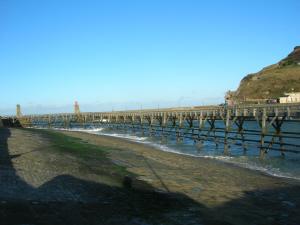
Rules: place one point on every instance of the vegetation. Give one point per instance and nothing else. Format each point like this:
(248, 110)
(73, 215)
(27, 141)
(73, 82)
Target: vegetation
(272, 81)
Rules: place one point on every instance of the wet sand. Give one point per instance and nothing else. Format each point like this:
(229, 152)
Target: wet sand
(167, 188)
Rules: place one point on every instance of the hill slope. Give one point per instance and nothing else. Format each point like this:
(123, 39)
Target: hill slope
(272, 81)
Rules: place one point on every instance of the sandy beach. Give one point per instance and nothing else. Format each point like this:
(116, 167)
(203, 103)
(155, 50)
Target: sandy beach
(131, 183)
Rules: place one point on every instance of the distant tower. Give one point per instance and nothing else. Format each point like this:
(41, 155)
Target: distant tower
(18, 111)
(76, 108)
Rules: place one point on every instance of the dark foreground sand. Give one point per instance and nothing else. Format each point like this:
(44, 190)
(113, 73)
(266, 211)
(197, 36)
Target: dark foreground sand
(38, 185)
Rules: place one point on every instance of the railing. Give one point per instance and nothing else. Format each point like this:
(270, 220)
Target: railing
(269, 108)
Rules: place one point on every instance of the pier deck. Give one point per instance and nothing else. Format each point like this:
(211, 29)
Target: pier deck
(200, 123)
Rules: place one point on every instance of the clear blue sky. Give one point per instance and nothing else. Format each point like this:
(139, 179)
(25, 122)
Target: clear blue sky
(124, 54)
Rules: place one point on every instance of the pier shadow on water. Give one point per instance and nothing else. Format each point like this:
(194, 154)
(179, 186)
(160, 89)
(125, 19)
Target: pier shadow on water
(69, 200)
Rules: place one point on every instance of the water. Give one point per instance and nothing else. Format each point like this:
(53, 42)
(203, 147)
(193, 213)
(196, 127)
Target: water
(273, 163)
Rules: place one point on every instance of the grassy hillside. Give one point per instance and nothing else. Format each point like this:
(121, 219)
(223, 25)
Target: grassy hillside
(272, 81)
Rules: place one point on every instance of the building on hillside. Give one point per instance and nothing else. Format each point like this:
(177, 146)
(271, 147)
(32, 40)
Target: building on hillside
(293, 97)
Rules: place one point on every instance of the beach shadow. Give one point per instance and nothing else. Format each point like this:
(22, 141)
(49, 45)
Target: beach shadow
(66, 199)
(69, 200)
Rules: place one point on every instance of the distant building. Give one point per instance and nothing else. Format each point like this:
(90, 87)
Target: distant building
(293, 97)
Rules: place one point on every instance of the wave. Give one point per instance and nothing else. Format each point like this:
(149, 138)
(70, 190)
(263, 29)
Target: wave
(80, 129)
(273, 171)
(126, 136)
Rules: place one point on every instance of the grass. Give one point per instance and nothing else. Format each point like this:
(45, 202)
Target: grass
(272, 83)
(75, 145)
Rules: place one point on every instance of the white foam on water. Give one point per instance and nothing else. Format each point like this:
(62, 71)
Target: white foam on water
(270, 170)
(93, 130)
(125, 136)
(80, 129)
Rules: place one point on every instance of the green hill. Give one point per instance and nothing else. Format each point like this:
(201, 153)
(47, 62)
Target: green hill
(272, 81)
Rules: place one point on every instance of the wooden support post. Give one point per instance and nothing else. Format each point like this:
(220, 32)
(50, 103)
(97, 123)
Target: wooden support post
(49, 121)
(152, 118)
(163, 124)
(65, 122)
(239, 121)
(277, 127)
(281, 143)
(133, 123)
(85, 120)
(142, 123)
(180, 126)
(201, 126)
(227, 129)
(165, 117)
(93, 118)
(213, 129)
(263, 133)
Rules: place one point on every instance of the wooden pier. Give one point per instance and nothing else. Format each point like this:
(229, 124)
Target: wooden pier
(221, 125)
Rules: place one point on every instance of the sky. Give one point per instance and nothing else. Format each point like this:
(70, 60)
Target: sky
(117, 55)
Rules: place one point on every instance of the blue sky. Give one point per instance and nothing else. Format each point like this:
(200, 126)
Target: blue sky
(131, 54)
